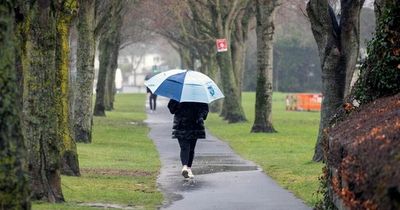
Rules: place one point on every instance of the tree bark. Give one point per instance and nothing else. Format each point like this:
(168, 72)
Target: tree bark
(14, 184)
(113, 68)
(350, 38)
(106, 47)
(213, 72)
(223, 19)
(265, 14)
(70, 163)
(83, 115)
(40, 126)
(338, 48)
(238, 45)
(186, 58)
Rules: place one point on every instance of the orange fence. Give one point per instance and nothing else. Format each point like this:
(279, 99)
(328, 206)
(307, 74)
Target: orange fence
(304, 102)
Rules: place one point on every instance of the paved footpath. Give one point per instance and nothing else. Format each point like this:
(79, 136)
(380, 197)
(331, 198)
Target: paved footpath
(223, 180)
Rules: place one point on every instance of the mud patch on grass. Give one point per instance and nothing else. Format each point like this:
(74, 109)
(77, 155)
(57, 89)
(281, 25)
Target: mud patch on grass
(109, 206)
(115, 172)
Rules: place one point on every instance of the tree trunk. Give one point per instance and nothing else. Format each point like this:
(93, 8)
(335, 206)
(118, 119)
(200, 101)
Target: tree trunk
(108, 41)
(265, 14)
(70, 163)
(213, 73)
(238, 57)
(83, 116)
(232, 110)
(350, 38)
(379, 74)
(112, 70)
(232, 104)
(40, 126)
(104, 58)
(338, 49)
(186, 58)
(238, 45)
(14, 184)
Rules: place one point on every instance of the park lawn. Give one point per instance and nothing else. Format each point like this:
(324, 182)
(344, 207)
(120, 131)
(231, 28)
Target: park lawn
(285, 155)
(120, 166)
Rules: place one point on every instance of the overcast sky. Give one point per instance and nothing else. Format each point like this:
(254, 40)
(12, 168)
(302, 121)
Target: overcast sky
(369, 3)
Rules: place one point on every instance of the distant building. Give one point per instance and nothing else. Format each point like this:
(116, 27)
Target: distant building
(132, 71)
(138, 68)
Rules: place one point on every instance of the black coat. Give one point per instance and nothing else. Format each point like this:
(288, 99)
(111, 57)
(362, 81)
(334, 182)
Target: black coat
(189, 119)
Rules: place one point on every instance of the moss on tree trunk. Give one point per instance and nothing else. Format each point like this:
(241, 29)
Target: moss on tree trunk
(14, 193)
(85, 72)
(40, 104)
(265, 30)
(69, 155)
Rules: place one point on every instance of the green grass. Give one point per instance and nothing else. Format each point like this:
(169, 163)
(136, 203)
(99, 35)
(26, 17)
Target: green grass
(120, 166)
(286, 155)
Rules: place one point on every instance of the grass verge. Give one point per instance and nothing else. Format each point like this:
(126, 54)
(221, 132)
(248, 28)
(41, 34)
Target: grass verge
(120, 166)
(286, 155)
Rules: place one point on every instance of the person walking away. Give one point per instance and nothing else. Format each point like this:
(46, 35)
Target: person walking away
(152, 97)
(188, 126)
(152, 100)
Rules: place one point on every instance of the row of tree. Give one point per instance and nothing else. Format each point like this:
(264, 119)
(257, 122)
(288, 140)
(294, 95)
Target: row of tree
(39, 128)
(192, 27)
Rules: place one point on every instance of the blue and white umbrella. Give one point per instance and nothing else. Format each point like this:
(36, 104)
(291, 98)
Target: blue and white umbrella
(184, 86)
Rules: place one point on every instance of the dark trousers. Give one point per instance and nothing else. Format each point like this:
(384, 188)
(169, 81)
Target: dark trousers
(153, 103)
(187, 151)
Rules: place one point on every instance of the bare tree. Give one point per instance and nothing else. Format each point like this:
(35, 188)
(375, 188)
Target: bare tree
(338, 44)
(109, 44)
(265, 14)
(83, 113)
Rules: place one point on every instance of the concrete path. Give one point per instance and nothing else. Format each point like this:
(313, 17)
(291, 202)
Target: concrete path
(223, 180)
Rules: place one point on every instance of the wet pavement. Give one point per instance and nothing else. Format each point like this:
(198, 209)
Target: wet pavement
(223, 180)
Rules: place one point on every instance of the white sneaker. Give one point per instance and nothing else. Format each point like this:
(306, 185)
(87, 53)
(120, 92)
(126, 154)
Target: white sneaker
(185, 172)
(190, 173)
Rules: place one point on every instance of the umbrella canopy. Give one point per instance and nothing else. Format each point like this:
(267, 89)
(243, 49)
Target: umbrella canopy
(184, 86)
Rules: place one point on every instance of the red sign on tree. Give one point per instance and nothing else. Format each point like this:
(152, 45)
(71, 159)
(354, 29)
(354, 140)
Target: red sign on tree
(222, 45)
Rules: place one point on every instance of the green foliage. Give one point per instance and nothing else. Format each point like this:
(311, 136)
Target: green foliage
(296, 67)
(286, 155)
(325, 203)
(121, 164)
(380, 73)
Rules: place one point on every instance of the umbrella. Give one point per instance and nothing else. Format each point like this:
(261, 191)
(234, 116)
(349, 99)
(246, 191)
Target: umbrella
(184, 86)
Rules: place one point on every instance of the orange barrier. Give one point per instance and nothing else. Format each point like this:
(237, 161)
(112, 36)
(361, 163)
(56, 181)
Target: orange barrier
(304, 102)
